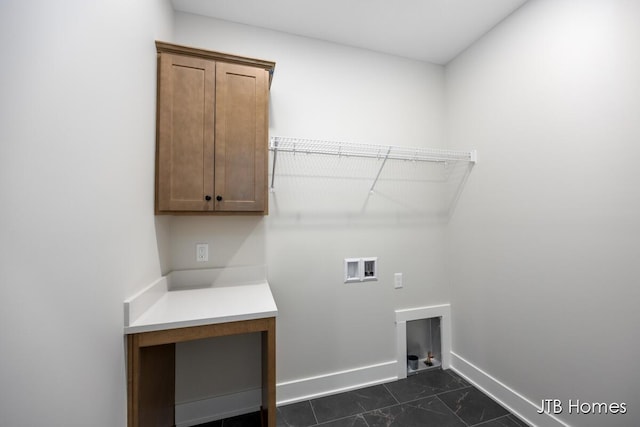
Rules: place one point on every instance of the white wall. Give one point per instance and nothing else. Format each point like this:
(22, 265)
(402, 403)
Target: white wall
(544, 243)
(77, 232)
(323, 90)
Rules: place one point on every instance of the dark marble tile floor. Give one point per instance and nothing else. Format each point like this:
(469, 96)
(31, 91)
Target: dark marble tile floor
(438, 398)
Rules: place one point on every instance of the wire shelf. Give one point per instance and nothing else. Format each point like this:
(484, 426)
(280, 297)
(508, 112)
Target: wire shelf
(350, 149)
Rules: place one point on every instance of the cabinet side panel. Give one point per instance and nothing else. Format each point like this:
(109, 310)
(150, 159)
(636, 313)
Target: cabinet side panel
(241, 137)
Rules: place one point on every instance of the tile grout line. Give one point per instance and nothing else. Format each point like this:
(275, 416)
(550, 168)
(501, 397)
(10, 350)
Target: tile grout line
(488, 421)
(430, 395)
(481, 422)
(392, 395)
(452, 411)
(364, 410)
(398, 403)
(361, 415)
(313, 411)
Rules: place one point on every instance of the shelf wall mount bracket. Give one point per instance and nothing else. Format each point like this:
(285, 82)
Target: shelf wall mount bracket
(274, 148)
(373, 185)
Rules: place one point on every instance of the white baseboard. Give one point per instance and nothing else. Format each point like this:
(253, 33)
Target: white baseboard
(503, 394)
(335, 382)
(216, 408)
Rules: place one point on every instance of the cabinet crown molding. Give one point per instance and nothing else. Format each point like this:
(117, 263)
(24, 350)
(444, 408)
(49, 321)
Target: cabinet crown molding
(164, 47)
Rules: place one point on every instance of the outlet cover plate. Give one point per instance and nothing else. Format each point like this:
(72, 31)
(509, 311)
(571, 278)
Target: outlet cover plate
(202, 252)
(397, 280)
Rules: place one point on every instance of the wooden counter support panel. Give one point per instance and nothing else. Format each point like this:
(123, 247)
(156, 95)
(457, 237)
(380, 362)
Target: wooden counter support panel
(151, 369)
(199, 332)
(151, 384)
(157, 385)
(269, 373)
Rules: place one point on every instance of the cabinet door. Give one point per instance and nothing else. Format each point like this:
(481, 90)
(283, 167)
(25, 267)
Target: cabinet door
(185, 134)
(241, 138)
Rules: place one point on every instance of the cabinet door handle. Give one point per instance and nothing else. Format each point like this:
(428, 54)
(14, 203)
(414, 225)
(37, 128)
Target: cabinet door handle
(219, 198)
(207, 197)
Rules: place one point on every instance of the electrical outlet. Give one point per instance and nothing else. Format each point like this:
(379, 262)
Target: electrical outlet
(202, 252)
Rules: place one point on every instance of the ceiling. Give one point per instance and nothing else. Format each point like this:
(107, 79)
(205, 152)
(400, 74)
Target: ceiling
(428, 30)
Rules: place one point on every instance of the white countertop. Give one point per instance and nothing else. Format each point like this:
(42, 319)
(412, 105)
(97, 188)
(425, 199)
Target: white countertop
(203, 306)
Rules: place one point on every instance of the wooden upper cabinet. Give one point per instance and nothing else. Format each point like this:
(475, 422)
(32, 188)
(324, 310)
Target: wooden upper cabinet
(212, 131)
